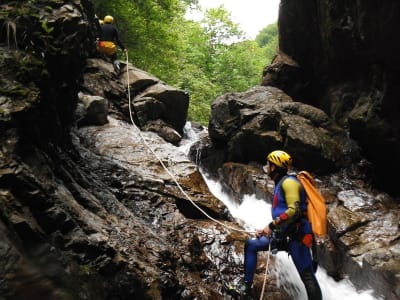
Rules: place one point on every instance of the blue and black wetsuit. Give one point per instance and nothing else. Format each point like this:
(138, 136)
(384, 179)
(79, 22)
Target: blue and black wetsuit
(288, 214)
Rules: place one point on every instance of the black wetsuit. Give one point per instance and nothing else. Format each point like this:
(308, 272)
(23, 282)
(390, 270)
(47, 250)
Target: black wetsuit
(108, 32)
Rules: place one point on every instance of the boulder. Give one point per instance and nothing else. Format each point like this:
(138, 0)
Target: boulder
(246, 126)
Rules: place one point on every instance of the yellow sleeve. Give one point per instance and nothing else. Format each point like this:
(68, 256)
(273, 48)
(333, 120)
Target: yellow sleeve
(291, 190)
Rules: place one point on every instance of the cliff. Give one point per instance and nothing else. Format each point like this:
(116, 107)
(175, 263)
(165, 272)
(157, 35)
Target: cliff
(342, 57)
(88, 209)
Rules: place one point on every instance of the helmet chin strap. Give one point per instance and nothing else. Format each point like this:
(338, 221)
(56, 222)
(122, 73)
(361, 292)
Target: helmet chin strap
(276, 175)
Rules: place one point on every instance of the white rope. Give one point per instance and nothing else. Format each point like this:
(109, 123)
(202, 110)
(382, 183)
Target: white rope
(266, 270)
(163, 165)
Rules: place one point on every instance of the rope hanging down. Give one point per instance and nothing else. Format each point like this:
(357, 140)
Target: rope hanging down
(266, 271)
(163, 165)
(179, 186)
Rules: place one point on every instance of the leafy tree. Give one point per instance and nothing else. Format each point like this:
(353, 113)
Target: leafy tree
(219, 28)
(239, 67)
(147, 29)
(267, 39)
(206, 58)
(194, 75)
(267, 35)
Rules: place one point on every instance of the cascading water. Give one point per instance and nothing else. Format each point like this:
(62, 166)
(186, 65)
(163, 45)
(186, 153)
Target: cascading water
(255, 213)
(189, 139)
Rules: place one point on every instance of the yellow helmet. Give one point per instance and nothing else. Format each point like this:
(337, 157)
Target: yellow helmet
(280, 158)
(108, 19)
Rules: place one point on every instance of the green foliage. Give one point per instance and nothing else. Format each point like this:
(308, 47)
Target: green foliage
(207, 58)
(267, 39)
(239, 67)
(219, 27)
(267, 35)
(46, 28)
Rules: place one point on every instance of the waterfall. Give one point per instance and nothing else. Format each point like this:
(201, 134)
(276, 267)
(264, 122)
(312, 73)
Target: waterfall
(255, 213)
(189, 138)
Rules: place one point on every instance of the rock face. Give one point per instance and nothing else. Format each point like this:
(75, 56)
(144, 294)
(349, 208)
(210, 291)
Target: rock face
(342, 57)
(87, 207)
(154, 105)
(247, 126)
(244, 127)
(89, 212)
(323, 61)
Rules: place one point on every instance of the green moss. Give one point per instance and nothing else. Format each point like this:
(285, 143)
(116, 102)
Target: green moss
(14, 91)
(18, 92)
(30, 69)
(46, 28)
(86, 269)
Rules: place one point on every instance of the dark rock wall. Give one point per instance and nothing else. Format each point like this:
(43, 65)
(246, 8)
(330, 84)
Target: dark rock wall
(342, 56)
(45, 47)
(75, 222)
(78, 223)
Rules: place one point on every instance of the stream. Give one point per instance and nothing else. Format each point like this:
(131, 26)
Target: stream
(255, 213)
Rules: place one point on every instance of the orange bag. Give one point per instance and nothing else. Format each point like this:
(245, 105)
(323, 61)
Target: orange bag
(316, 206)
(106, 47)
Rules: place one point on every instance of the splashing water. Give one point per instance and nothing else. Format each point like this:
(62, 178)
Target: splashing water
(190, 137)
(255, 213)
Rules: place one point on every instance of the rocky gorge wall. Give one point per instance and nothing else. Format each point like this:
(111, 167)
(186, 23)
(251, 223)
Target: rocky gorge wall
(87, 212)
(342, 57)
(86, 209)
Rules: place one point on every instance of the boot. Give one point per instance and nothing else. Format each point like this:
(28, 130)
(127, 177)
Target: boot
(241, 291)
(117, 68)
(311, 284)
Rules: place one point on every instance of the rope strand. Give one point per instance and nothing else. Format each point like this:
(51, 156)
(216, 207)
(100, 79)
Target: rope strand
(266, 270)
(180, 187)
(165, 168)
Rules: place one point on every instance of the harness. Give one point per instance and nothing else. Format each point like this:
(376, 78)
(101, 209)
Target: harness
(300, 227)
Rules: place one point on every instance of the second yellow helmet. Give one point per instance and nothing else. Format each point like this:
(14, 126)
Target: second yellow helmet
(108, 19)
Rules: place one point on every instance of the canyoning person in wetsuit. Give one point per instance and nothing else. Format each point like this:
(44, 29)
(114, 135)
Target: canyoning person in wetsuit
(109, 40)
(289, 229)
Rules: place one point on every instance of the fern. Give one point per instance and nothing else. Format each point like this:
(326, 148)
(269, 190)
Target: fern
(46, 28)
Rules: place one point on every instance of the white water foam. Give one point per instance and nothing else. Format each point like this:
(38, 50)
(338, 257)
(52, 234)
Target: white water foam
(255, 213)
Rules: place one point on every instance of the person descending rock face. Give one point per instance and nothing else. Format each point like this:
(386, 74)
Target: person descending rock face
(108, 41)
(289, 229)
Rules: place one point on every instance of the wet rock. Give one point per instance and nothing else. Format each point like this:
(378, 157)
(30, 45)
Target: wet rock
(244, 127)
(339, 39)
(94, 110)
